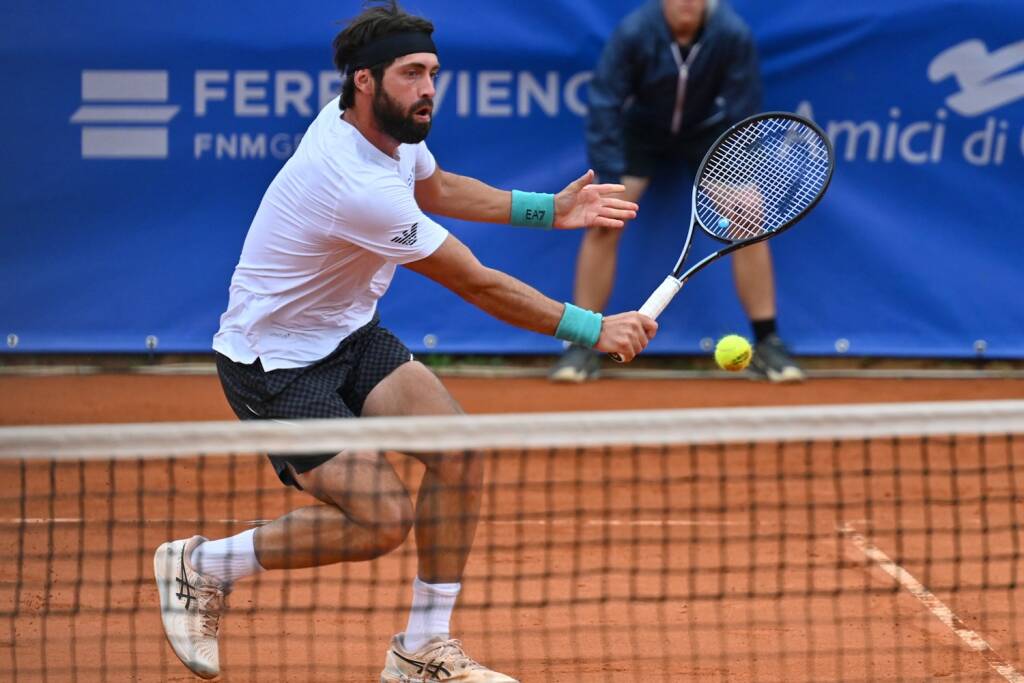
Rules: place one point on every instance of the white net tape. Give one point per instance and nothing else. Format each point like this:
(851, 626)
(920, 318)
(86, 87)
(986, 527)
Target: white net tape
(540, 430)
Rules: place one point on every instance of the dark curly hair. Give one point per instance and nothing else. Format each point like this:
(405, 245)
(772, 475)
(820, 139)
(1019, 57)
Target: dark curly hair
(378, 18)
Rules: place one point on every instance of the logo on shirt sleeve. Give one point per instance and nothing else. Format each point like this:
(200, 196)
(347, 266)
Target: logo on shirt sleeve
(408, 237)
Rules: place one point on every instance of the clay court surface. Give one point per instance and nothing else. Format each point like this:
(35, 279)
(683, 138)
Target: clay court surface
(146, 398)
(744, 563)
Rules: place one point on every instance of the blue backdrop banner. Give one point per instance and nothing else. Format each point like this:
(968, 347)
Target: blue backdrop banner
(141, 137)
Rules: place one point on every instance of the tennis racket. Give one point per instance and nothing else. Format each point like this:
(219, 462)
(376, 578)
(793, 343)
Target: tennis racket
(759, 178)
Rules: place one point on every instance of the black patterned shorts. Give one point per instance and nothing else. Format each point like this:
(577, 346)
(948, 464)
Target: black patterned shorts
(334, 386)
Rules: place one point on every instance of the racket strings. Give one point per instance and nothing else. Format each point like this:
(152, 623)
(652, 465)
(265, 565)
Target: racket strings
(745, 179)
(750, 176)
(760, 177)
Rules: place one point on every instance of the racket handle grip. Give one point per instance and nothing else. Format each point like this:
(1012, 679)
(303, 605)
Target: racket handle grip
(656, 303)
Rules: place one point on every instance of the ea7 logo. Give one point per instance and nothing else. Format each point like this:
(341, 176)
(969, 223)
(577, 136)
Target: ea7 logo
(115, 98)
(984, 77)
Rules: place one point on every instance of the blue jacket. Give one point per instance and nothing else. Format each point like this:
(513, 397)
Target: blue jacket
(636, 83)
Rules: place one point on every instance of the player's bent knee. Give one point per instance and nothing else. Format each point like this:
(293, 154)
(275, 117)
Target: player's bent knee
(391, 536)
(457, 469)
(392, 525)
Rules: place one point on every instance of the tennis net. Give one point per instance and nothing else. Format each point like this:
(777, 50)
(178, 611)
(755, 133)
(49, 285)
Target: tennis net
(838, 543)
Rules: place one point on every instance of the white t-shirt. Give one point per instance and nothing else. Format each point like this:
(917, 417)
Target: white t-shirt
(323, 247)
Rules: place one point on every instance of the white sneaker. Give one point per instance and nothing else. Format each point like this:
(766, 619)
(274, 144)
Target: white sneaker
(438, 661)
(191, 605)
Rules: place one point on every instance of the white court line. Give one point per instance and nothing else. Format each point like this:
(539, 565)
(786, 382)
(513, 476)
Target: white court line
(568, 521)
(934, 605)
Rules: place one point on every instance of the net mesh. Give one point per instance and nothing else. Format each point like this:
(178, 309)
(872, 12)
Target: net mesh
(847, 543)
(761, 177)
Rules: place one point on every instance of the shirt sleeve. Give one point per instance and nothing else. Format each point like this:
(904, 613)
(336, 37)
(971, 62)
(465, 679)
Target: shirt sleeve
(741, 88)
(611, 86)
(425, 163)
(388, 222)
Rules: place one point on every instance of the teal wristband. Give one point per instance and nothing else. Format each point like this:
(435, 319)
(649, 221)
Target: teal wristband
(532, 209)
(580, 326)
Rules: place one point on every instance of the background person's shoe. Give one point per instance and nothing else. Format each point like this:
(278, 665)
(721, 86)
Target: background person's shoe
(577, 364)
(772, 361)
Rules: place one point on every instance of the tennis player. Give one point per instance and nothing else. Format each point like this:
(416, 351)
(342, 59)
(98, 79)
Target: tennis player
(301, 339)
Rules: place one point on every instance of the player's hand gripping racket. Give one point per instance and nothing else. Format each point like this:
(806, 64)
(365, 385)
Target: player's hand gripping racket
(759, 178)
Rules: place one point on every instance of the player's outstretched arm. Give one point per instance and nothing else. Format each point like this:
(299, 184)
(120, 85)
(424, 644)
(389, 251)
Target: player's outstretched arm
(582, 204)
(462, 197)
(454, 266)
(586, 204)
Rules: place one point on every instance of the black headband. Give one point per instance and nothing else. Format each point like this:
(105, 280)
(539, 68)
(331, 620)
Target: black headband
(392, 46)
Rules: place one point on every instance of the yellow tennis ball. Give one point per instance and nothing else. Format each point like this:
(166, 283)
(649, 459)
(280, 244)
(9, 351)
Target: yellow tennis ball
(733, 353)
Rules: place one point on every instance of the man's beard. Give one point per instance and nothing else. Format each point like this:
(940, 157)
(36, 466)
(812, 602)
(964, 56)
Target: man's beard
(398, 124)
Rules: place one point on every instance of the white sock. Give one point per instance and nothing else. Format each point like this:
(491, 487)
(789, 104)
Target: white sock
(228, 559)
(431, 613)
